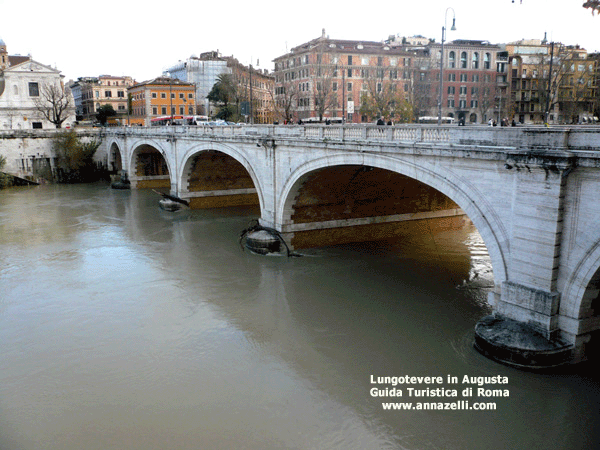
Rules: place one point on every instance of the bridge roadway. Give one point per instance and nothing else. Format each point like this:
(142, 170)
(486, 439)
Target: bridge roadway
(532, 193)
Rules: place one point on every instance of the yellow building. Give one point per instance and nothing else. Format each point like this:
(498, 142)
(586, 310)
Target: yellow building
(162, 100)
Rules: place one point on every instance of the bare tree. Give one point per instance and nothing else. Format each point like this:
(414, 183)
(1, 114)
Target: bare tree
(420, 87)
(594, 5)
(383, 99)
(55, 103)
(284, 98)
(325, 96)
(486, 94)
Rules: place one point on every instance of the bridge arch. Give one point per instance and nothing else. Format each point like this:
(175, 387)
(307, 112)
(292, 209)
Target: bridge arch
(115, 158)
(188, 161)
(463, 193)
(149, 165)
(580, 299)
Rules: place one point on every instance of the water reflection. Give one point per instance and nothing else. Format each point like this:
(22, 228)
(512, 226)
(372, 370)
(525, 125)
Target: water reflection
(123, 326)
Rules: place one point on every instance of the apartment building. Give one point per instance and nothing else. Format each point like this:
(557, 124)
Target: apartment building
(335, 79)
(474, 80)
(161, 97)
(91, 93)
(552, 83)
(255, 92)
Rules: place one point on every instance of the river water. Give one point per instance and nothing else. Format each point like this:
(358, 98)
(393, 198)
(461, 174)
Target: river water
(123, 326)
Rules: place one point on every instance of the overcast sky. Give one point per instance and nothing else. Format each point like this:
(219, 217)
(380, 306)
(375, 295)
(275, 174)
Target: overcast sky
(140, 39)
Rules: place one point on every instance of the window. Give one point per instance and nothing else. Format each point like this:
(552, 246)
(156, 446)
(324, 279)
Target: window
(463, 77)
(163, 110)
(451, 77)
(451, 90)
(462, 104)
(463, 60)
(349, 60)
(475, 60)
(190, 96)
(380, 61)
(463, 90)
(36, 125)
(452, 60)
(349, 87)
(364, 60)
(34, 90)
(487, 61)
(172, 97)
(450, 103)
(107, 94)
(181, 95)
(121, 94)
(473, 103)
(154, 111)
(154, 95)
(349, 73)
(334, 86)
(163, 95)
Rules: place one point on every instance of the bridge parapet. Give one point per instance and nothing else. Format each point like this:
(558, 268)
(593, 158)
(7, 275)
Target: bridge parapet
(530, 138)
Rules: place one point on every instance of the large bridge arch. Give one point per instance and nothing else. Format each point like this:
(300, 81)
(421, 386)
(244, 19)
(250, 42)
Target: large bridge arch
(149, 165)
(580, 300)
(237, 155)
(449, 183)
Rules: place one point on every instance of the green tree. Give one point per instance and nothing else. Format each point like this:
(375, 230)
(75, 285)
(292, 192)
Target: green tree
(75, 158)
(5, 179)
(104, 112)
(223, 94)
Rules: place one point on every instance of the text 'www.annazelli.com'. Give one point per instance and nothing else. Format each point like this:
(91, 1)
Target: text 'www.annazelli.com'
(460, 405)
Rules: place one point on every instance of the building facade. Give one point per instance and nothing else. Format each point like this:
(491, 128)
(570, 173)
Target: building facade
(327, 79)
(552, 83)
(474, 81)
(254, 91)
(30, 92)
(203, 73)
(159, 98)
(90, 93)
(253, 86)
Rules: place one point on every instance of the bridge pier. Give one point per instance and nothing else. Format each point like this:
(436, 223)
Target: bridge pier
(524, 330)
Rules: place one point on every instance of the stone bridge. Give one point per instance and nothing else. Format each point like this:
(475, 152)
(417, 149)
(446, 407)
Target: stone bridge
(532, 193)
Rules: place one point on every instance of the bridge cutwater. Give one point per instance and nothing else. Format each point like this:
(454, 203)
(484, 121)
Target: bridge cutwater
(532, 193)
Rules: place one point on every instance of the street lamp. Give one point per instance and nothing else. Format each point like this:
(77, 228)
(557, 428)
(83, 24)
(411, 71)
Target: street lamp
(442, 61)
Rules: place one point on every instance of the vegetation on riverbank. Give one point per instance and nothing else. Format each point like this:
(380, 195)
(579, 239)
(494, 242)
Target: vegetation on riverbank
(75, 159)
(5, 179)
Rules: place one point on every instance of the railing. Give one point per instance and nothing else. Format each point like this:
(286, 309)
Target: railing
(585, 137)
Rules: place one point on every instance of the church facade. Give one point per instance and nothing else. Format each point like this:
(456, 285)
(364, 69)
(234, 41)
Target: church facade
(28, 89)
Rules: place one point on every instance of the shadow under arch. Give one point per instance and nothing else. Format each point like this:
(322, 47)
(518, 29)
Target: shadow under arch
(149, 166)
(183, 177)
(472, 202)
(114, 161)
(582, 284)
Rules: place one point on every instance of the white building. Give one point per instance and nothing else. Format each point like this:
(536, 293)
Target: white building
(203, 72)
(23, 85)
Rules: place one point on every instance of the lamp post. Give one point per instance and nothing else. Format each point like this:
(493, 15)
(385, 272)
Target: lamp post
(442, 61)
